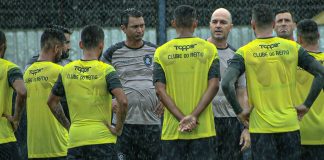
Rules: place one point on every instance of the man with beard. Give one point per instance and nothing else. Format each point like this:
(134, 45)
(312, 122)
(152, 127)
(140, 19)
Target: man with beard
(67, 47)
(230, 132)
(63, 60)
(133, 61)
(46, 138)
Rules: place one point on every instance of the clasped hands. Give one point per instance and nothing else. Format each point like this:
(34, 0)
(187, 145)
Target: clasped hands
(188, 123)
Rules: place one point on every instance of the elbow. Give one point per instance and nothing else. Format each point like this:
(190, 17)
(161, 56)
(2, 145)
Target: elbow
(49, 103)
(159, 91)
(216, 88)
(22, 93)
(124, 103)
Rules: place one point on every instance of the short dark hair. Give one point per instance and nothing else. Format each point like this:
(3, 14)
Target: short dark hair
(3, 39)
(130, 12)
(51, 37)
(308, 30)
(286, 11)
(58, 27)
(262, 15)
(91, 36)
(184, 16)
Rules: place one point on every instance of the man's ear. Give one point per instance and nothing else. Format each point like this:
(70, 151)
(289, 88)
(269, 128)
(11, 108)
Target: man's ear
(2, 50)
(253, 24)
(195, 24)
(123, 28)
(101, 45)
(81, 44)
(299, 39)
(173, 23)
(56, 48)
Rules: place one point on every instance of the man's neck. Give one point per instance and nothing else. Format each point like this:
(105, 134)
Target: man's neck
(46, 56)
(92, 54)
(220, 44)
(133, 43)
(265, 33)
(184, 32)
(311, 47)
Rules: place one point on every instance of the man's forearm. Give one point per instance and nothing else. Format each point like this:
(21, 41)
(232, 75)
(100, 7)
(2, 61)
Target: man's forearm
(121, 114)
(19, 106)
(60, 116)
(317, 70)
(228, 87)
(242, 97)
(167, 101)
(213, 86)
(315, 90)
(122, 108)
(57, 110)
(20, 102)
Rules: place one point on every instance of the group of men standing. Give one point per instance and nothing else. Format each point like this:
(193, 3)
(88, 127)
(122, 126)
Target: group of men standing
(167, 101)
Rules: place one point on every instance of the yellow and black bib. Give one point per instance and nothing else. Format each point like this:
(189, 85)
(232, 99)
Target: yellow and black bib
(270, 65)
(312, 124)
(46, 137)
(186, 63)
(6, 131)
(89, 102)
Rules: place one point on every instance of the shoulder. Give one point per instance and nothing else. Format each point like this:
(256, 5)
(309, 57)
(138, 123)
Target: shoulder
(8, 64)
(318, 56)
(110, 51)
(57, 66)
(71, 64)
(33, 59)
(149, 44)
(231, 48)
(246, 47)
(286, 42)
(107, 68)
(166, 45)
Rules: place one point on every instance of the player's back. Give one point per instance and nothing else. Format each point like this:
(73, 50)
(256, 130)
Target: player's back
(89, 102)
(186, 63)
(271, 77)
(39, 79)
(6, 92)
(312, 124)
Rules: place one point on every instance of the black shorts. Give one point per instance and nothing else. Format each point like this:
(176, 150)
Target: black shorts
(9, 151)
(95, 152)
(314, 152)
(188, 149)
(228, 131)
(139, 142)
(279, 146)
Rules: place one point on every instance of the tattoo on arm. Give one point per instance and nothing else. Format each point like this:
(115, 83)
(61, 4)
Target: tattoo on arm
(60, 116)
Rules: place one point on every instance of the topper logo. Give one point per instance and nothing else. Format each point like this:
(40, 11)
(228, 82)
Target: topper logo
(269, 46)
(35, 71)
(82, 69)
(185, 47)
